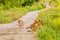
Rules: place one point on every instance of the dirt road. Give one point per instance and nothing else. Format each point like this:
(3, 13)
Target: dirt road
(11, 31)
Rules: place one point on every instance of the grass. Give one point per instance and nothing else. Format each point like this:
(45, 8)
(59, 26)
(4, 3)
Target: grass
(10, 15)
(51, 28)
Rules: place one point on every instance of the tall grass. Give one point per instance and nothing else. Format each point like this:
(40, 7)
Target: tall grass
(51, 28)
(10, 15)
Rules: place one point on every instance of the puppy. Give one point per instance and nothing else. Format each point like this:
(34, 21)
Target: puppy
(20, 23)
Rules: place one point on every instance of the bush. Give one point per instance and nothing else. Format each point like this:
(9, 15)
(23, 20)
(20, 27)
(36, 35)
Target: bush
(16, 3)
(33, 8)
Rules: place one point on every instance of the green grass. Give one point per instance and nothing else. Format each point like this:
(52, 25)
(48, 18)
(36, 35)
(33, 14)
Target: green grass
(51, 28)
(10, 15)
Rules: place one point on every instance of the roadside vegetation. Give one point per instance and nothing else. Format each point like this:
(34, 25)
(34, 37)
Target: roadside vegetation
(10, 15)
(51, 28)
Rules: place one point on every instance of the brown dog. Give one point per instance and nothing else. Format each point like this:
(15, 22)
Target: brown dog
(21, 24)
(34, 26)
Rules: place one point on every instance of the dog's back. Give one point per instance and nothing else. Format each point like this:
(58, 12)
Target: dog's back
(34, 26)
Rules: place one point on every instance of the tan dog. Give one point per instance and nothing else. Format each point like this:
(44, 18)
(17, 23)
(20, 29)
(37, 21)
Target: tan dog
(21, 24)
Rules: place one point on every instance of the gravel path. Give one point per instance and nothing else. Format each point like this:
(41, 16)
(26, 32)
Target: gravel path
(11, 31)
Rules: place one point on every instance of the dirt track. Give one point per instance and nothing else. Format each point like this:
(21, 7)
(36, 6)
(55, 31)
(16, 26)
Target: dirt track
(11, 31)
